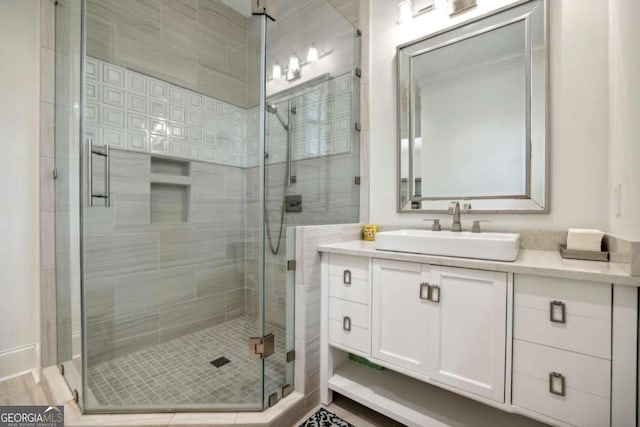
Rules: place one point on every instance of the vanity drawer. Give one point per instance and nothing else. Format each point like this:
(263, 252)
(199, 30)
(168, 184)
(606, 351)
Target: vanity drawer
(587, 382)
(345, 265)
(581, 314)
(581, 298)
(356, 290)
(580, 334)
(349, 324)
(358, 313)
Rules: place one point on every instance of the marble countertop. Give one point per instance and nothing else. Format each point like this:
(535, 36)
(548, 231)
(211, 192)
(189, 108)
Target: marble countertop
(538, 262)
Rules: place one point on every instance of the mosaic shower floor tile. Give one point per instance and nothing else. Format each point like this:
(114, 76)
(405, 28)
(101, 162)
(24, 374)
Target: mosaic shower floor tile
(180, 372)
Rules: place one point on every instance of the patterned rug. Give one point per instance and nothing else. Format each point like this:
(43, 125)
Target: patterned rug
(324, 418)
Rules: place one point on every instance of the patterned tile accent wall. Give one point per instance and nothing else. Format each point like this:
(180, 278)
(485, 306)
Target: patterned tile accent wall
(131, 111)
(322, 125)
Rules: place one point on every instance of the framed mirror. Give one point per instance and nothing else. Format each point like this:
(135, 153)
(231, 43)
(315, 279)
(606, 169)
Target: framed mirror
(472, 113)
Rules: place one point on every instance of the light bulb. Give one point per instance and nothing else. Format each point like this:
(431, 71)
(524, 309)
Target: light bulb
(405, 11)
(312, 54)
(294, 63)
(277, 71)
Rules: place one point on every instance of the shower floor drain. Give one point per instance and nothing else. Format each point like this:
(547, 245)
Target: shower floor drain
(220, 361)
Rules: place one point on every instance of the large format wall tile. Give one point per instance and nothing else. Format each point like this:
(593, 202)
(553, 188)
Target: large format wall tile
(112, 338)
(192, 247)
(234, 304)
(119, 254)
(220, 278)
(193, 311)
(100, 305)
(174, 41)
(155, 289)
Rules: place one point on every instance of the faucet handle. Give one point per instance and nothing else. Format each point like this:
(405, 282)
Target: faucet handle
(436, 224)
(476, 225)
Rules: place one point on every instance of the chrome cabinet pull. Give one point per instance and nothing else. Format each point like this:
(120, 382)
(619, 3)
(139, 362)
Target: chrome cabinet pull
(425, 291)
(435, 293)
(346, 323)
(556, 383)
(106, 153)
(346, 277)
(557, 312)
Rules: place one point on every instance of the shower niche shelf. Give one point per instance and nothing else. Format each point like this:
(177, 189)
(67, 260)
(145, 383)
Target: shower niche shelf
(169, 203)
(172, 167)
(170, 190)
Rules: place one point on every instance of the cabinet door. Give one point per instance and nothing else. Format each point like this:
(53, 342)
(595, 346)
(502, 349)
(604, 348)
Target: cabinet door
(468, 330)
(400, 316)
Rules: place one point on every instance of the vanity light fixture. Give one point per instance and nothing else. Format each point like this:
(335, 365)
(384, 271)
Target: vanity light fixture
(409, 9)
(276, 71)
(405, 11)
(312, 54)
(293, 71)
(294, 63)
(457, 6)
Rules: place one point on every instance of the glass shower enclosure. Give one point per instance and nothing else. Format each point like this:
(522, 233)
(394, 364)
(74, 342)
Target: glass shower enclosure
(190, 137)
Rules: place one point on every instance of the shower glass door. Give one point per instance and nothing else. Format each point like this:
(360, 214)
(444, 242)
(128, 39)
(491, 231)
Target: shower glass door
(183, 165)
(68, 57)
(170, 279)
(311, 165)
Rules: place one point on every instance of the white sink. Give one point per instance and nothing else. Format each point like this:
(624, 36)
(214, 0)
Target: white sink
(464, 244)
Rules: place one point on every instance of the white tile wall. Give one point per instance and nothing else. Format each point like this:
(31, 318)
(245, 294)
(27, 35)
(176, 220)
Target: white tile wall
(132, 111)
(323, 124)
(129, 110)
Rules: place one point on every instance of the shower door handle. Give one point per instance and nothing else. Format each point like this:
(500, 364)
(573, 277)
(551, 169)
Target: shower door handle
(104, 152)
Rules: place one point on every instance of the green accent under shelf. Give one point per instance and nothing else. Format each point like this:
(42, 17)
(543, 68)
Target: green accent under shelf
(363, 361)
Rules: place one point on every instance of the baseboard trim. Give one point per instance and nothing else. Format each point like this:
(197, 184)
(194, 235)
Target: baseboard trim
(18, 361)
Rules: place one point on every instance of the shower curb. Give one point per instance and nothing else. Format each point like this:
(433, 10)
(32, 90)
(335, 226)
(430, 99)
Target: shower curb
(284, 414)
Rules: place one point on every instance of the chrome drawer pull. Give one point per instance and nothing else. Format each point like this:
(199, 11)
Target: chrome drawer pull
(346, 323)
(556, 384)
(346, 277)
(435, 294)
(425, 291)
(557, 312)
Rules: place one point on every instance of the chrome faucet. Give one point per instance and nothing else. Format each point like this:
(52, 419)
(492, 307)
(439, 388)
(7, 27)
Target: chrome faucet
(454, 209)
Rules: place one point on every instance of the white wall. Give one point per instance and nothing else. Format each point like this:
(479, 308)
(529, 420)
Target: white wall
(624, 103)
(19, 181)
(578, 120)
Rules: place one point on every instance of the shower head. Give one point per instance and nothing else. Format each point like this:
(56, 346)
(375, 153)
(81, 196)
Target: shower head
(273, 109)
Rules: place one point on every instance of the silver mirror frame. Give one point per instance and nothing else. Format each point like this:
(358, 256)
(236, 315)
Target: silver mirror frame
(510, 205)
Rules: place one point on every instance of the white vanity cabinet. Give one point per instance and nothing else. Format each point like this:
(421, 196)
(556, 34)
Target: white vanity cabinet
(558, 350)
(446, 324)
